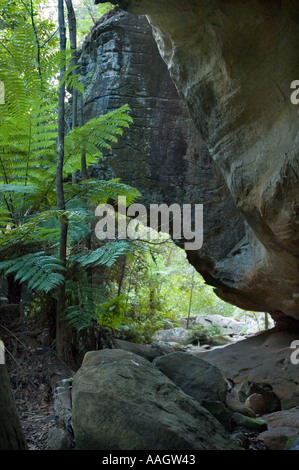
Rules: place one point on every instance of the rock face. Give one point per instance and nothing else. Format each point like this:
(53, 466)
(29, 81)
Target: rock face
(227, 325)
(233, 63)
(283, 425)
(238, 407)
(174, 335)
(149, 352)
(265, 358)
(194, 376)
(122, 402)
(162, 153)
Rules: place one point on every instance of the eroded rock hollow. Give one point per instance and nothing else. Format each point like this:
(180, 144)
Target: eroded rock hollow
(233, 64)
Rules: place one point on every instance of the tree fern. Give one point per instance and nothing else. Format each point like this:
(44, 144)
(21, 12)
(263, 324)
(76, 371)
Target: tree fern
(105, 255)
(99, 191)
(28, 135)
(93, 136)
(38, 270)
(93, 307)
(29, 219)
(84, 299)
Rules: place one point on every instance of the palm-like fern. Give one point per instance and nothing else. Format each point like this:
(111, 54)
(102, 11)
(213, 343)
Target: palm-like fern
(84, 298)
(105, 255)
(29, 219)
(37, 269)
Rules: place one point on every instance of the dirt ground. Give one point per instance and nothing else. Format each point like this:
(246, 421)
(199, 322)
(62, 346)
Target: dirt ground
(35, 374)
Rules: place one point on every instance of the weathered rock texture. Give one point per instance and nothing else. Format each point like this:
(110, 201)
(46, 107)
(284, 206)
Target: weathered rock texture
(233, 63)
(264, 358)
(282, 426)
(161, 154)
(193, 375)
(122, 402)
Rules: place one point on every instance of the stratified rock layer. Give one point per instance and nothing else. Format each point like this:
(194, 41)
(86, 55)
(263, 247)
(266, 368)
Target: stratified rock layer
(161, 154)
(233, 63)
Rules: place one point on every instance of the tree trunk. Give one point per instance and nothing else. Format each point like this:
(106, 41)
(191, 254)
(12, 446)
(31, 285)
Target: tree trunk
(190, 299)
(72, 23)
(62, 328)
(122, 275)
(11, 434)
(73, 44)
(14, 290)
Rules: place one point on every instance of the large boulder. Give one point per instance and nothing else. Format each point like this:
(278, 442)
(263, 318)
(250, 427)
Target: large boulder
(276, 438)
(234, 63)
(122, 402)
(238, 407)
(193, 375)
(264, 358)
(225, 325)
(174, 335)
(250, 392)
(148, 351)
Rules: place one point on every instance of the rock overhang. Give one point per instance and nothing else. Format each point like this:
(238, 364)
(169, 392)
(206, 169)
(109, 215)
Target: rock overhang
(233, 63)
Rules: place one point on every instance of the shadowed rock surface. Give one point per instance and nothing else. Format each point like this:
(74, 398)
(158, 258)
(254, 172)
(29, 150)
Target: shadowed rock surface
(282, 426)
(264, 358)
(194, 376)
(233, 63)
(161, 154)
(122, 402)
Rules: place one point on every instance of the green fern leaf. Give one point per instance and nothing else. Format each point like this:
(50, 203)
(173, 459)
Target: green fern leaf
(37, 270)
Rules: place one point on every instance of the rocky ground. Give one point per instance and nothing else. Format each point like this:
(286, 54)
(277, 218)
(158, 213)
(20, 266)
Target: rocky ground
(262, 385)
(261, 364)
(30, 379)
(34, 372)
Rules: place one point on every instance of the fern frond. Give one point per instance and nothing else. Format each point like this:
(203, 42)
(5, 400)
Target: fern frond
(18, 188)
(99, 191)
(85, 298)
(93, 136)
(5, 218)
(105, 255)
(38, 270)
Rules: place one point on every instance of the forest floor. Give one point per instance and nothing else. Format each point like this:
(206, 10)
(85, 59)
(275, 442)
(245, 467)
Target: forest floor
(31, 369)
(35, 372)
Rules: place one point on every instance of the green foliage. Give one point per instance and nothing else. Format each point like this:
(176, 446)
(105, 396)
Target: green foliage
(104, 255)
(201, 333)
(110, 314)
(98, 191)
(14, 13)
(149, 291)
(88, 14)
(197, 333)
(157, 286)
(83, 299)
(29, 219)
(37, 269)
(93, 136)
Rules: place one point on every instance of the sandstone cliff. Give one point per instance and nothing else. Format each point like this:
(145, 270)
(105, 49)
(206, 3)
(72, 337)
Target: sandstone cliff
(233, 63)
